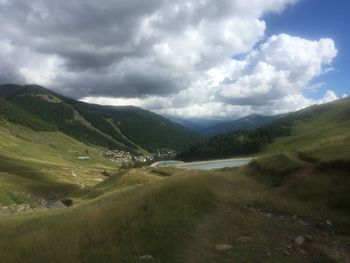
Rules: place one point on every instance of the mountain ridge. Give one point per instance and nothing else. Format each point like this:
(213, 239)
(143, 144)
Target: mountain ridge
(249, 122)
(308, 130)
(115, 127)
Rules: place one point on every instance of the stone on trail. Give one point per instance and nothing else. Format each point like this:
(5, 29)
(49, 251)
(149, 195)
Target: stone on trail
(245, 239)
(223, 247)
(299, 240)
(303, 223)
(146, 257)
(329, 223)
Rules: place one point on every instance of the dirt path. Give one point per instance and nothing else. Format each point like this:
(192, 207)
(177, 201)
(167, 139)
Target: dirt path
(240, 229)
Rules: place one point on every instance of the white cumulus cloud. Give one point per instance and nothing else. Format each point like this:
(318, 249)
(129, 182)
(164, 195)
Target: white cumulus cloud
(173, 57)
(283, 65)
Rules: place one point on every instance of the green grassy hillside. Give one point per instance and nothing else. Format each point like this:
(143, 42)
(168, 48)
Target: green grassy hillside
(316, 131)
(14, 114)
(44, 166)
(320, 132)
(184, 217)
(124, 128)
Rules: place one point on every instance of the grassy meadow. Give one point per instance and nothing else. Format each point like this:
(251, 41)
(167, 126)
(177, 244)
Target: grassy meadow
(184, 216)
(36, 165)
(323, 136)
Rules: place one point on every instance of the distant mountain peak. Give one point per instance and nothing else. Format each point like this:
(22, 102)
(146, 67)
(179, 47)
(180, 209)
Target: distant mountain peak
(249, 122)
(254, 115)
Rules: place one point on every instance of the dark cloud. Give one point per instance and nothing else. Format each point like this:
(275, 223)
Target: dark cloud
(129, 85)
(172, 56)
(94, 37)
(10, 75)
(255, 100)
(76, 30)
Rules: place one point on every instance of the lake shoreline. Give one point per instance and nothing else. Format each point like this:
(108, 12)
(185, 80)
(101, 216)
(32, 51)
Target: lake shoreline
(219, 161)
(206, 165)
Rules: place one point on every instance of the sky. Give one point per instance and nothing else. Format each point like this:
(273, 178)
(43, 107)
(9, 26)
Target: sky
(207, 59)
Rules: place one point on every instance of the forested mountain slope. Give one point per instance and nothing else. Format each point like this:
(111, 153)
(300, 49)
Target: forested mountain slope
(124, 128)
(249, 122)
(317, 129)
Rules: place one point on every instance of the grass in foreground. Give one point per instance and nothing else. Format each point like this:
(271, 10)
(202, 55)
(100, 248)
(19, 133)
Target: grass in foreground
(182, 218)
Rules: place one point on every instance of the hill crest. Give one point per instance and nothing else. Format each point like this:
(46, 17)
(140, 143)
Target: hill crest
(115, 127)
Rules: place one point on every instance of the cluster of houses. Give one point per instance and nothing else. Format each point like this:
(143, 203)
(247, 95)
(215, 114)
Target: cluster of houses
(119, 156)
(127, 157)
(165, 154)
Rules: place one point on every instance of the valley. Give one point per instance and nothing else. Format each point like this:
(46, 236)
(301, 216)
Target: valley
(64, 198)
(181, 131)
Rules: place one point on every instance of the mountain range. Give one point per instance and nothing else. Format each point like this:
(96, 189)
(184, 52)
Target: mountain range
(305, 129)
(249, 122)
(124, 128)
(290, 204)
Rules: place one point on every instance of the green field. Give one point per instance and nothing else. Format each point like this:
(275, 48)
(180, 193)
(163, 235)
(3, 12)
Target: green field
(44, 165)
(182, 218)
(325, 135)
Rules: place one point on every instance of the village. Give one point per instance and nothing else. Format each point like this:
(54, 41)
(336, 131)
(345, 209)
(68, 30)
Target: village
(126, 157)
